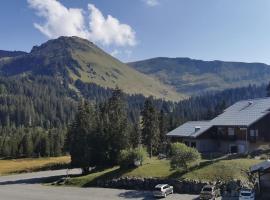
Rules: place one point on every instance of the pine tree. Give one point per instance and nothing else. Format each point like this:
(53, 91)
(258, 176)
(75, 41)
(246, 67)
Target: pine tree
(27, 144)
(117, 125)
(150, 127)
(136, 135)
(163, 130)
(79, 135)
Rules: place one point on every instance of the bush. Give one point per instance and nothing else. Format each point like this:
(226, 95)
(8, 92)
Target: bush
(182, 155)
(132, 157)
(264, 157)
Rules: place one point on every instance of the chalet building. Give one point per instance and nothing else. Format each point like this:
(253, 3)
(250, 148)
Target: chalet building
(263, 171)
(241, 128)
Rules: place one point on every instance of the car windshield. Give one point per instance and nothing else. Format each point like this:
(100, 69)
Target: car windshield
(245, 194)
(157, 189)
(207, 189)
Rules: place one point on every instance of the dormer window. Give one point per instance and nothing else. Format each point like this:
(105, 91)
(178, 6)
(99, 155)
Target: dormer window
(197, 128)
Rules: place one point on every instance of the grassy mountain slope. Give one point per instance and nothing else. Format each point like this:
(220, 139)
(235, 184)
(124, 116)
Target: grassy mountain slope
(72, 58)
(194, 76)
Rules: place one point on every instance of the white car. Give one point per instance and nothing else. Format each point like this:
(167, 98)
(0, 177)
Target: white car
(247, 194)
(162, 190)
(209, 192)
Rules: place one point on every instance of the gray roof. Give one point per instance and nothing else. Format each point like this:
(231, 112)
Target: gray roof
(188, 129)
(261, 166)
(242, 113)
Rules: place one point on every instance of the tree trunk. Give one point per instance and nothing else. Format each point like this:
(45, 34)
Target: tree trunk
(151, 153)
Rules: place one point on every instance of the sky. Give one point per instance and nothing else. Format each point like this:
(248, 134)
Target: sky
(229, 30)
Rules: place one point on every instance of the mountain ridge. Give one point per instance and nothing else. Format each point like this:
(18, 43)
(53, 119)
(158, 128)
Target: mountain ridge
(73, 58)
(191, 76)
(4, 53)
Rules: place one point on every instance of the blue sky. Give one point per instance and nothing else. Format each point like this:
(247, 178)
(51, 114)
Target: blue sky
(231, 30)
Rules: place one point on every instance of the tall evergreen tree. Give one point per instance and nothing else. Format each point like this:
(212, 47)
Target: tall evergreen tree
(27, 145)
(163, 130)
(116, 125)
(79, 135)
(136, 135)
(150, 127)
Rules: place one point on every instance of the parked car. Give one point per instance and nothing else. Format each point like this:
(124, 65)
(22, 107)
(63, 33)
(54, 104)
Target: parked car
(162, 190)
(247, 194)
(209, 192)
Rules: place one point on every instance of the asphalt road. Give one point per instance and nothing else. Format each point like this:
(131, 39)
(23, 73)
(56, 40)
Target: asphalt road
(28, 187)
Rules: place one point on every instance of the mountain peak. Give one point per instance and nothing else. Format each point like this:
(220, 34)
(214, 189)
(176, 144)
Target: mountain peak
(64, 43)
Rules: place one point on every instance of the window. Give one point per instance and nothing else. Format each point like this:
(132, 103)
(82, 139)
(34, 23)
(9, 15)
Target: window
(193, 144)
(231, 131)
(221, 130)
(252, 133)
(186, 143)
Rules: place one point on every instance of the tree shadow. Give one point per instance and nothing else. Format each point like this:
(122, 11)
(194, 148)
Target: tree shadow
(179, 173)
(136, 194)
(202, 164)
(117, 173)
(38, 180)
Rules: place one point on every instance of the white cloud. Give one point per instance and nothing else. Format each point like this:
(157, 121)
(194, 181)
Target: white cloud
(151, 2)
(123, 52)
(115, 52)
(109, 30)
(63, 21)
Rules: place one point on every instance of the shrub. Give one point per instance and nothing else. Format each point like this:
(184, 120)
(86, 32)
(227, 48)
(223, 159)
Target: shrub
(130, 157)
(182, 155)
(264, 157)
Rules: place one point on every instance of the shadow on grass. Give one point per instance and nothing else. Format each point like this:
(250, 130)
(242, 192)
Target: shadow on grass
(117, 173)
(180, 173)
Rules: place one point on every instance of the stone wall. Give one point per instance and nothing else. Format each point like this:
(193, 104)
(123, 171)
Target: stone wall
(180, 186)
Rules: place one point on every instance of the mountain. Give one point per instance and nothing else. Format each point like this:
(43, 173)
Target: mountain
(73, 58)
(191, 76)
(4, 54)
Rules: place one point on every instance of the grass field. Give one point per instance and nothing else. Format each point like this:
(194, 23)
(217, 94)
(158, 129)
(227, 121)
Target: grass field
(31, 164)
(211, 171)
(224, 170)
(150, 168)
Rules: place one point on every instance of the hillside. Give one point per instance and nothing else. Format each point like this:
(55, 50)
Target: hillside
(191, 76)
(11, 53)
(73, 58)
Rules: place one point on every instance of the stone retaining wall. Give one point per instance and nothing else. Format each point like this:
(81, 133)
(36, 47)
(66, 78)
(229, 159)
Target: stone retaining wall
(180, 186)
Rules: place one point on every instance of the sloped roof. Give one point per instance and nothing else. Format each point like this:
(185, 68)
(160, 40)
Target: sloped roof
(243, 113)
(261, 166)
(188, 129)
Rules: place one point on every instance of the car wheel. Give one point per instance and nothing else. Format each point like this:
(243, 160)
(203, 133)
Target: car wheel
(172, 192)
(165, 195)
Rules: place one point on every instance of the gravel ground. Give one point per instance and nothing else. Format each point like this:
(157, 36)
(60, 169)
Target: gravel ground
(28, 187)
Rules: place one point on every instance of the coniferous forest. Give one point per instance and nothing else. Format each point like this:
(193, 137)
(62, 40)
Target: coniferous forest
(36, 112)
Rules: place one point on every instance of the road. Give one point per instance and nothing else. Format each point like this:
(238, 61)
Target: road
(28, 187)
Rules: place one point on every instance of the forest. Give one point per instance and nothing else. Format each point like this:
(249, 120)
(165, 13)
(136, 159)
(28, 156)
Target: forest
(36, 112)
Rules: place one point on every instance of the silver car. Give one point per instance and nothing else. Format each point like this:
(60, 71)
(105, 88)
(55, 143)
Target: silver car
(162, 190)
(209, 192)
(247, 194)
